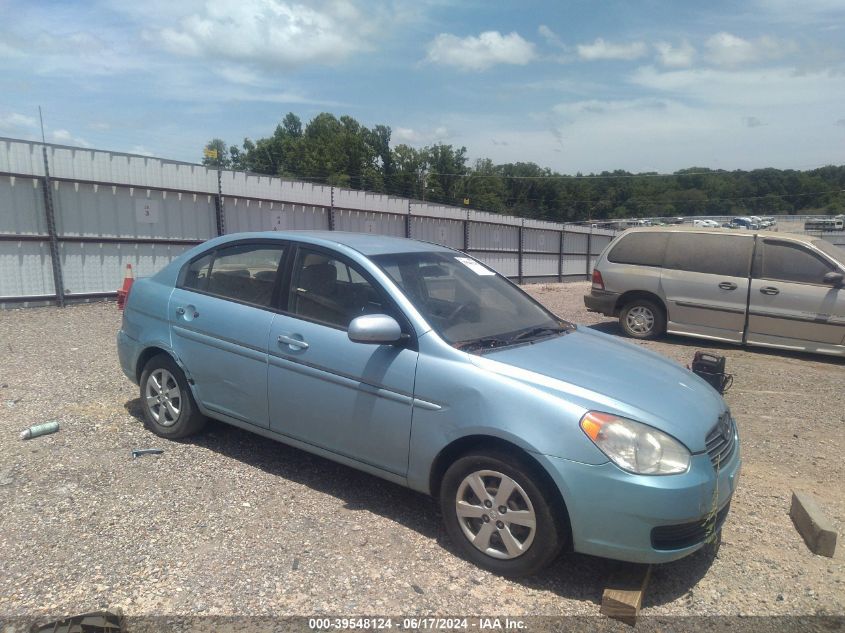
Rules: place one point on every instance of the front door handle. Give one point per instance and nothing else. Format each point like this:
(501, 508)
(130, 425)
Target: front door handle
(727, 285)
(293, 342)
(769, 290)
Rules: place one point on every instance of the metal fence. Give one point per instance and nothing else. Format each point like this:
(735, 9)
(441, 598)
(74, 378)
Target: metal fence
(72, 218)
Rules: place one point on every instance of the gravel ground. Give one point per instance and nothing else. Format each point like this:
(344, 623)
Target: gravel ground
(228, 523)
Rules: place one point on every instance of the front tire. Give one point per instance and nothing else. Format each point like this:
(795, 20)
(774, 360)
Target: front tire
(643, 319)
(500, 515)
(169, 407)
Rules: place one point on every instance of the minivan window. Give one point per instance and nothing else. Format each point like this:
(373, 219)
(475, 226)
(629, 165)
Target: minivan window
(786, 261)
(710, 253)
(641, 249)
(832, 250)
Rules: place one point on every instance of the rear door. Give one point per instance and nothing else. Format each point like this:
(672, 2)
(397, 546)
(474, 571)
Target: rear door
(220, 322)
(705, 282)
(790, 305)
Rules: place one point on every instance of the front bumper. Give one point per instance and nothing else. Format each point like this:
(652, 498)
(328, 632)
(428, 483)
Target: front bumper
(601, 301)
(613, 514)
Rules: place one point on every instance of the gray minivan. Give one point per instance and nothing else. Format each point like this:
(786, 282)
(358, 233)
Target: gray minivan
(756, 288)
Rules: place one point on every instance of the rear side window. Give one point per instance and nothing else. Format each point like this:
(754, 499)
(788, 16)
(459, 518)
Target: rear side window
(785, 261)
(243, 272)
(641, 249)
(714, 254)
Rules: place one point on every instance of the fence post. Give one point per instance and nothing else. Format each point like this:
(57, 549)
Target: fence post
(589, 252)
(331, 213)
(218, 205)
(49, 211)
(466, 233)
(408, 221)
(519, 255)
(560, 258)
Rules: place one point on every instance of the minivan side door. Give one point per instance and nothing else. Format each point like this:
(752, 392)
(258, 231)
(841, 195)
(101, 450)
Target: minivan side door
(705, 283)
(790, 305)
(220, 320)
(354, 399)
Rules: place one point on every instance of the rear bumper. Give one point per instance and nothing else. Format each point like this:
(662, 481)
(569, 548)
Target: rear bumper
(601, 301)
(643, 518)
(128, 350)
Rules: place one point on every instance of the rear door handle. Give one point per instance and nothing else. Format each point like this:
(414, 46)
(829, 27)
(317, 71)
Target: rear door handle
(727, 285)
(769, 290)
(293, 342)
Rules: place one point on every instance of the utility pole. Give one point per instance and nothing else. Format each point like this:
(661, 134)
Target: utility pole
(58, 281)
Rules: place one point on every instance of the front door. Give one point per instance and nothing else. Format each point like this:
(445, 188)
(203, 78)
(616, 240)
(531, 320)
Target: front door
(353, 399)
(705, 282)
(220, 323)
(790, 305)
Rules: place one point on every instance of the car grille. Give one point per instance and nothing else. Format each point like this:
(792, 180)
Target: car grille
(721, 440)
(684, 535)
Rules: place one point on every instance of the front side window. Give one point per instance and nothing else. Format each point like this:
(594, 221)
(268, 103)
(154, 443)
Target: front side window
(242, 272)
(786, 261)
(328, 290)
(710, 253)
(466, 302)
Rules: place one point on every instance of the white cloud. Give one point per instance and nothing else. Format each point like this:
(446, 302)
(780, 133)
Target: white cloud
(671, 56)
(601, 49)
(271, 32)
(726, 49)
(16, 121)
(481, 52)
(140, 150)
(411, 136)
(63, 137)
(550, 36)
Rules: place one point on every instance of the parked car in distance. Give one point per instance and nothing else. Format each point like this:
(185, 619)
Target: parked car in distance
(421, 365)
(756, 288)
(743, 223)
(709, 224)
(831, 223)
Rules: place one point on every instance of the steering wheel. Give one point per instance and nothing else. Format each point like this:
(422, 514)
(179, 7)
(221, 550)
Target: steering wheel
(454, 313)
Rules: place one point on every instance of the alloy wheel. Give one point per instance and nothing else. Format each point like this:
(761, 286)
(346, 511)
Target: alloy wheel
(163, 397)
(495, 514)
(640, 320)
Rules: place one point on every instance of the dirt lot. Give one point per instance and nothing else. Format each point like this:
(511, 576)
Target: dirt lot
(229, 523)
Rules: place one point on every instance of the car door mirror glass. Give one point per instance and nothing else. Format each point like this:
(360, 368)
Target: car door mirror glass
(833, 278)
(374, 329)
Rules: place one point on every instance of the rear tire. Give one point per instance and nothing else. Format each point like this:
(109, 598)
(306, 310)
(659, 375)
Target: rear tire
(169, 407)
(643, 319)
(519, 541)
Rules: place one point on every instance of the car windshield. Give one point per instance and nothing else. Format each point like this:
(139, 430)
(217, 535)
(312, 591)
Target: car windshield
(832, 250)
(469, 305)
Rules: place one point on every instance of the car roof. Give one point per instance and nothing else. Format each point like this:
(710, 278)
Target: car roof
(365, 243)
(807, 239)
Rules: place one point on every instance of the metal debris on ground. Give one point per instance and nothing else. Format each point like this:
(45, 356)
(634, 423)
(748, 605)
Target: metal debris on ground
(137, 452)
(40, 429)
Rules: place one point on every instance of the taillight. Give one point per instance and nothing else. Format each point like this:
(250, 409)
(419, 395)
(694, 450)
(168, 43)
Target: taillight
(598, 282)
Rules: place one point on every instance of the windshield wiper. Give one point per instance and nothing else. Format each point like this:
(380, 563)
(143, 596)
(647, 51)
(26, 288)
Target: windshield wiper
(538, 332)
(487, 342)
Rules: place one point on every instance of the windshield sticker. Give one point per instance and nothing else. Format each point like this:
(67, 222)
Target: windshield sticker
(474, 266)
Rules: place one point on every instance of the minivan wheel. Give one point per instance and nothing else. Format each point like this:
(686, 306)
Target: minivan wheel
(499, 515)
(642, 319)
(169, 407)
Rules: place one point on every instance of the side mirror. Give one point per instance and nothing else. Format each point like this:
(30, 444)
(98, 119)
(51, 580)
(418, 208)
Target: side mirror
(375, 329)
(833, 278)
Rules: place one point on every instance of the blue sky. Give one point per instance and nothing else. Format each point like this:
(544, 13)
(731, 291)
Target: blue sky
(574, 86)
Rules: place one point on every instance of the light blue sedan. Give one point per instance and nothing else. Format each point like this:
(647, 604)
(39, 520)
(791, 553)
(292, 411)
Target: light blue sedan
(419, 364)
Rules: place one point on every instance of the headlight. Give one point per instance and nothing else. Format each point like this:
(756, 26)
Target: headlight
(635, 447)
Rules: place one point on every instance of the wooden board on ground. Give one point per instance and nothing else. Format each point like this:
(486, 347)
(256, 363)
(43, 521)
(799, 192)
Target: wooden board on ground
(623, 594)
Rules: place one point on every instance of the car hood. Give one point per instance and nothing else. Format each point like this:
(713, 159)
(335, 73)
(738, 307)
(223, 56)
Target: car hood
(600, 372)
